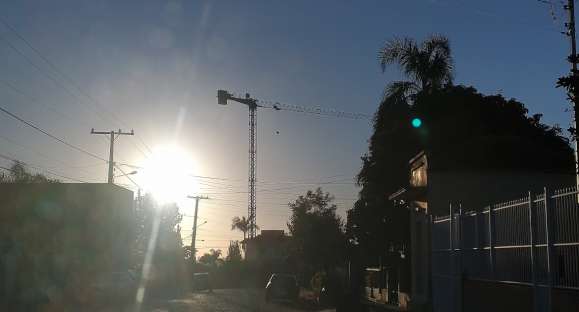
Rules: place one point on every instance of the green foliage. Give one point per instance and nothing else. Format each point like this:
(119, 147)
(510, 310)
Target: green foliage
(428, 64)
(316, 230)
(211, 258)
(242, 224)
(158, 227)
(462, 130)
(233, 252)
(571, 84)
(19, 174)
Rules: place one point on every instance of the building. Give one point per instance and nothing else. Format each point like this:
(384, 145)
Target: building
(436, 189)
(269, 245)
(57, 238)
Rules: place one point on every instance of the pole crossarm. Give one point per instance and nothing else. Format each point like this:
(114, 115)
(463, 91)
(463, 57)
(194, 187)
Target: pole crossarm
(112, 136)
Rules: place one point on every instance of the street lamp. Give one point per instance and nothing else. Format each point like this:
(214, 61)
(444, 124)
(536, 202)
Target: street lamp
(127, 174)
(201, 224)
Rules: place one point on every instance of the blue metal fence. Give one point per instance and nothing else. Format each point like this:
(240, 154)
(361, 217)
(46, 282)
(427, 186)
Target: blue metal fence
(530, 241)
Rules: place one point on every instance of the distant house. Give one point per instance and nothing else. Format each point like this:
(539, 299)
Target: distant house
(269, 251)
(434, 183)
(58, 238)
(269, 245)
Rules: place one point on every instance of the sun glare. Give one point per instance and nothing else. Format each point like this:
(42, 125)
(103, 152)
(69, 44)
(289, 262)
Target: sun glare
(167, 174)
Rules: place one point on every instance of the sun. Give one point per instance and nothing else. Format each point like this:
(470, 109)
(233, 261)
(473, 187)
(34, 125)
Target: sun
(167, 174)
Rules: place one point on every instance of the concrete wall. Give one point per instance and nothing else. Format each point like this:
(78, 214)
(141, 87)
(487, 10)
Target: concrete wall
(60, 236)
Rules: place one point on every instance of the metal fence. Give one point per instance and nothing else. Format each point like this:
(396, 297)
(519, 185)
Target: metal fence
(530, 241)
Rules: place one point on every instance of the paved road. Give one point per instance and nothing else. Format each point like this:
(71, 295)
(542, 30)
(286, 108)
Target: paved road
(224, 300)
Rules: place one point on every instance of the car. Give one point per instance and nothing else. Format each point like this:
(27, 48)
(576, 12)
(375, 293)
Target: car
(282, 287)
(201, 281)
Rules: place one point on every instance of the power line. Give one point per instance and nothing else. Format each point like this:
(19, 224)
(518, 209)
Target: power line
(39, 69)
(42, 169)
(48, 157)
(33, 99)
(33, 126)
(128, 177)
(53, 67)
(66, 78)
(112, 136)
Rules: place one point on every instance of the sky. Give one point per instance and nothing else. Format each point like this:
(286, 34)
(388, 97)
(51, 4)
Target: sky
(155, 67)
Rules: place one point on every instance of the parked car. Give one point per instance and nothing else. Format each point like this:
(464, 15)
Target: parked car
(282, 287)
(201, 281)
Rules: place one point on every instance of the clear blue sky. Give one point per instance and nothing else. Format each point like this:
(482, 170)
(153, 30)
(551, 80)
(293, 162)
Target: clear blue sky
(157, 65)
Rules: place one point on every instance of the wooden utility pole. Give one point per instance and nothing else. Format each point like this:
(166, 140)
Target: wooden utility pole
(194, 233)
(112, 135)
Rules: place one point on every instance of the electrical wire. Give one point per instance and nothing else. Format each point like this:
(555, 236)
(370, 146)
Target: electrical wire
(65, 78)
(58, 175)
(50, 135)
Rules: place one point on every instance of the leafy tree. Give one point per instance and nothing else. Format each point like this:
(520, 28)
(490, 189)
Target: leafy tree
(316, 230)
(233, 252)
(427, 65)
(18, 173)
(462, 130)
(570, 83)
(158, 234)
(211, 258)
(242, 224)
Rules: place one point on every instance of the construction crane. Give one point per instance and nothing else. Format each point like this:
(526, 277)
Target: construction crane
(222, 98)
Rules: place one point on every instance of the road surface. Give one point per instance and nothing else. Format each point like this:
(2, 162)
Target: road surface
(225, 300)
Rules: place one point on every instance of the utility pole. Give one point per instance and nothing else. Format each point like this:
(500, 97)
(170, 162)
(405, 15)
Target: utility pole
(222, 97)
(574, 83)
(112, 135)
(194, 233)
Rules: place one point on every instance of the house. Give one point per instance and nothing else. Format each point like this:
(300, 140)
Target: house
(269, 245)
(436, 188)
(269, 253)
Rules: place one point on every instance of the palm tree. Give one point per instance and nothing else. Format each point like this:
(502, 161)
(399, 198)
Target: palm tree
(428, 65)
(242, 224)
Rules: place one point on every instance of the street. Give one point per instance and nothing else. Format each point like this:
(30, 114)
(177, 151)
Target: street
(224, 300)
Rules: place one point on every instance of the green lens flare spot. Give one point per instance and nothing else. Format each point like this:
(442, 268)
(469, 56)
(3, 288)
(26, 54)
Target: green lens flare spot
(416, 122)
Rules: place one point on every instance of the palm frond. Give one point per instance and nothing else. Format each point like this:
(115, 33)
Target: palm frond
(400, 89)
(397, 50)
(437, 45)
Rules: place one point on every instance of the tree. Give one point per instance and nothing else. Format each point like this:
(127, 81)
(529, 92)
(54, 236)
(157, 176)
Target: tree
(428, 65)
(233, 252)
(462, 130)
(158, 233)
(211, 258)
(571, 84)
(18, 173)
(242, 224)
(316, 231)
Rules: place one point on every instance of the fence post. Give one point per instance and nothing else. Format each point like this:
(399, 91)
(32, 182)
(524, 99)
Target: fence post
(532, 243)
(549, 242)
(451, 258)
(460, 244)
(430, 258)
(492, 241)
